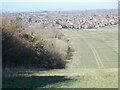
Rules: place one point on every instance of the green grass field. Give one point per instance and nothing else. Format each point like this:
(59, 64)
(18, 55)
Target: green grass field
(94, 46)
(93, 65)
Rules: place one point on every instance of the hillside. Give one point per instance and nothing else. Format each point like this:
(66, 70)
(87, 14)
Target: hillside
(94, 64)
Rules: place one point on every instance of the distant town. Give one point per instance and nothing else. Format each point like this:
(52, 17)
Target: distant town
(87, 19)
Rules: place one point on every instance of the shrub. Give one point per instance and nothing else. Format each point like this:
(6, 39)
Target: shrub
(57, 22)
(41, 49)
(51, 54)
(27, 37)
(64, 26)
(15, 51)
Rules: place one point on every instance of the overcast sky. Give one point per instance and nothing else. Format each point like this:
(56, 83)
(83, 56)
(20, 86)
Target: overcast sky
(56, 5)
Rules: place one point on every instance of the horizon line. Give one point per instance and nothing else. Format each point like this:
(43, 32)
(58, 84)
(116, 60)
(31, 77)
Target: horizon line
(55, 10)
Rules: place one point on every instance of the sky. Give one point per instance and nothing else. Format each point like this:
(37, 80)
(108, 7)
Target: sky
(59, 0)
(56, 5)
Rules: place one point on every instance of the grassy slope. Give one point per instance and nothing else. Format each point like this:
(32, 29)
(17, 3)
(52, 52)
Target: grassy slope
(101, 40)
(82, 70)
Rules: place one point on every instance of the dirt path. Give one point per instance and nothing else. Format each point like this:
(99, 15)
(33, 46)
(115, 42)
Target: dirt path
(95, 53)
(92, 50)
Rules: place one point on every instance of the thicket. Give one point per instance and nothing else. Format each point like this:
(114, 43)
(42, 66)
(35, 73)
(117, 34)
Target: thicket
(22, 49)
